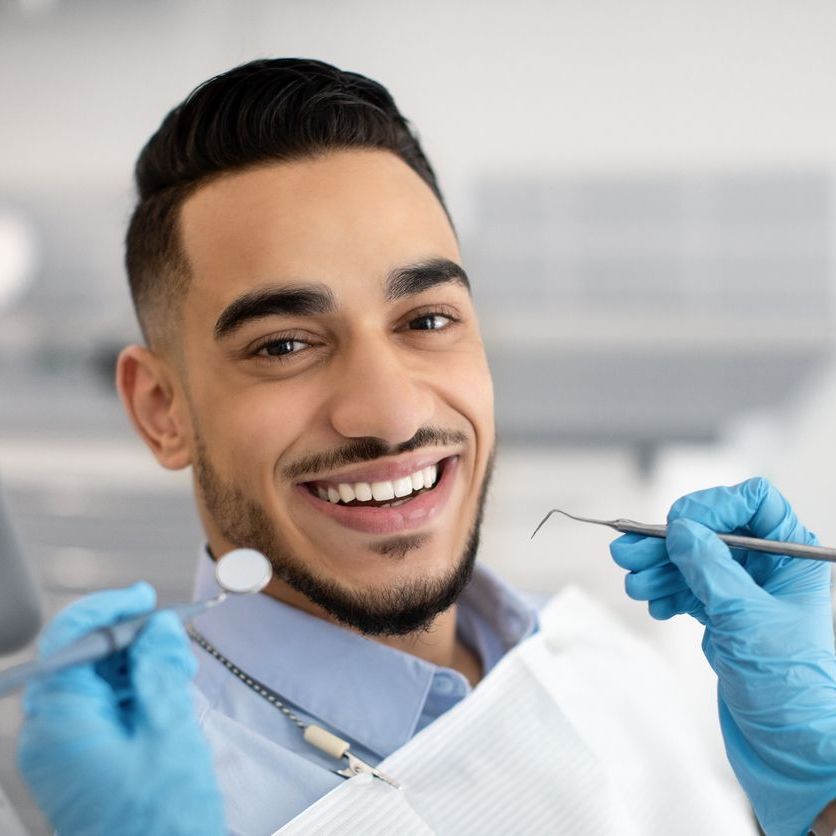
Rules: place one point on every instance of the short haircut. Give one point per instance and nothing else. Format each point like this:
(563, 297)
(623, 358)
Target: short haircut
(275, 110)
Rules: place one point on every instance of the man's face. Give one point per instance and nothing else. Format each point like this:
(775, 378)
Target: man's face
(339, 401)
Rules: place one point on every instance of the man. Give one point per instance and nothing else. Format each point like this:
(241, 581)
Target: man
(312, 352)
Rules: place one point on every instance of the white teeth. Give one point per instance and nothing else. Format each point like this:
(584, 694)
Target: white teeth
(403, 487)
(381, 491)
(363, 491)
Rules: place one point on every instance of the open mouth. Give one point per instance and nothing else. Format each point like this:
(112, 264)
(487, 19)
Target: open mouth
(385, 494)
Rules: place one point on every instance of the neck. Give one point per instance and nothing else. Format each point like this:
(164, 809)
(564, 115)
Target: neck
(438, 644)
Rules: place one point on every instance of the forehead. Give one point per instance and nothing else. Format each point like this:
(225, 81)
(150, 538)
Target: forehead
(345, 219)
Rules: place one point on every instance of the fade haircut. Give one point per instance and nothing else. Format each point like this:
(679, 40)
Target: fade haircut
(276, 110)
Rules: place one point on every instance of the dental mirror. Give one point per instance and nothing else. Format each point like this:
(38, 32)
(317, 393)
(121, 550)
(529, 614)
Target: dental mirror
(243, 571)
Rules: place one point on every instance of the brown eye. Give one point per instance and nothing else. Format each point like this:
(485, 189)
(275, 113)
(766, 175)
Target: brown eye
(281, 348)
(430, 322)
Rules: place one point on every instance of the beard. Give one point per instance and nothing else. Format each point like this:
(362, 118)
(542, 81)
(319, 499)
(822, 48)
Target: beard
(394, 610)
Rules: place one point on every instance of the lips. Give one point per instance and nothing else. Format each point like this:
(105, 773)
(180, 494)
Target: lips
(399, 514)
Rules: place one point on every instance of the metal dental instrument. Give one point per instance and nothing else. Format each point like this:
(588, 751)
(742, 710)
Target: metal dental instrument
(242, 571)
(736, 541)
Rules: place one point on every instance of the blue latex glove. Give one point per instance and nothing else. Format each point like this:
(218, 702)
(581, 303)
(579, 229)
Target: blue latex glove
(768, 637)
(115, 747)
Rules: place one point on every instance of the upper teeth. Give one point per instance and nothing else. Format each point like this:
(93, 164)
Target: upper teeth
(381, 491)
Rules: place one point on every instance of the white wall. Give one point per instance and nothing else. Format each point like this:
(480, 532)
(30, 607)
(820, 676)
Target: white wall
(570, 85)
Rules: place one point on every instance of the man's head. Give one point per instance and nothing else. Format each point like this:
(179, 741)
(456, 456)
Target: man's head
(311, 340)
(259, 113)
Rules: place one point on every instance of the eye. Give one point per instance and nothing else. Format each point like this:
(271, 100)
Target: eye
(280, 348)
(431, 322)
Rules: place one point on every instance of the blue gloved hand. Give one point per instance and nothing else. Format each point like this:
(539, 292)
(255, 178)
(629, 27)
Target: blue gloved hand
(768, 637)
(115, 747)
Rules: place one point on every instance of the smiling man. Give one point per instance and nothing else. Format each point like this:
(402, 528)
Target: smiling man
(326, 379)
(312, 352)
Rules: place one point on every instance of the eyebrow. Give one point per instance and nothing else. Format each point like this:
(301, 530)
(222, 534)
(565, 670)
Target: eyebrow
(416, 278)
(293, 300)
(317, 299)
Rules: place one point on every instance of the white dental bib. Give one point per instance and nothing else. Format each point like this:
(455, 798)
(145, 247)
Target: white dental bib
(573, 732)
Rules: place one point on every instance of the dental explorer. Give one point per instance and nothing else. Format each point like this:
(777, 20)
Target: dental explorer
(735, 541)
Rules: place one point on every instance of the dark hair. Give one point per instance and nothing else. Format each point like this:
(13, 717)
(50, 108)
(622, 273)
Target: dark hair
(269, 110)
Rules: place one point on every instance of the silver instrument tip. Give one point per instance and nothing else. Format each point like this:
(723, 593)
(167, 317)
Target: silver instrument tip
(608, 523)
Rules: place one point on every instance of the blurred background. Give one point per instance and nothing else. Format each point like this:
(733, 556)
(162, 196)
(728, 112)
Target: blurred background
(644, 193)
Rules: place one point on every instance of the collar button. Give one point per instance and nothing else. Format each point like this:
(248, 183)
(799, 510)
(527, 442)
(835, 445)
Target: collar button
(444, 683)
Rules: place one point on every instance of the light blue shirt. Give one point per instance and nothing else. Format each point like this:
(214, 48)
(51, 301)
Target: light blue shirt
(372, 695)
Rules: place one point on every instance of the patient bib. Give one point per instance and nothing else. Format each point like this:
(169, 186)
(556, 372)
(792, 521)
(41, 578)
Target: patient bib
(576, 731)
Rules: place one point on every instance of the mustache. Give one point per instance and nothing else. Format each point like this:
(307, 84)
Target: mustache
(370, 449)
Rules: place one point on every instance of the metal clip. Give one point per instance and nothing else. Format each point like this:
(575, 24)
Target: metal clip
(338, 748)
(357, 766)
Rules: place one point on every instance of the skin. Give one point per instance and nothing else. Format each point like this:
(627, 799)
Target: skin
(366, 370)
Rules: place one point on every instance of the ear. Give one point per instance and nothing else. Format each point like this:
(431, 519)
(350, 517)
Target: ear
(147, 388)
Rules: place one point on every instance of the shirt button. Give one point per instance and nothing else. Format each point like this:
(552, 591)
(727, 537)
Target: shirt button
(443, 684)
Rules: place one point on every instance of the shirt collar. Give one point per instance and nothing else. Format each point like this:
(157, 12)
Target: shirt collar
(337, 675)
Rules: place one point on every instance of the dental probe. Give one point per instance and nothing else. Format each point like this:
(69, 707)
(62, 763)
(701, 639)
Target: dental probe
(96, 645)
(239, 571)
(735, 541)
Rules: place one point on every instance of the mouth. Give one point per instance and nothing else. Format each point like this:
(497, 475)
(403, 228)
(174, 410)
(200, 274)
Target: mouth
(372, 505)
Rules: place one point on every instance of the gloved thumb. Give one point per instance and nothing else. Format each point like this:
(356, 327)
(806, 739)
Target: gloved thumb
(713, 575)
(162, 667)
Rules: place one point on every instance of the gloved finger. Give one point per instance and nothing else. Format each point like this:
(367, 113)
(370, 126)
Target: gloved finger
(97, 610)
(59, 690)
(162, 667)
(69, 695)
(804, 580)
(655, 582)
(709, 649)
(755, 505)
(636, 552)
(680, 603)
(116, 671)
(95, 682)
(61, 725)
(720, 583)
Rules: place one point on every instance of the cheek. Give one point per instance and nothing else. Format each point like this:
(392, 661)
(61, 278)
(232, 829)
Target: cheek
(248, 433)
(467, 387)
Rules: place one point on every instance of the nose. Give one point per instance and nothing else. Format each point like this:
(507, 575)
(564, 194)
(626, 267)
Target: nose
(380, 394)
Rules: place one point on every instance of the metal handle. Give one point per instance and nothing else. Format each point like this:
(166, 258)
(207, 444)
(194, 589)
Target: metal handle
(95, 645)
(633, 527)
(737, 541)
